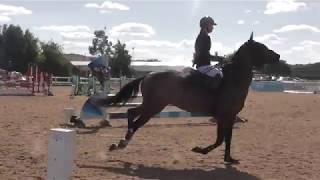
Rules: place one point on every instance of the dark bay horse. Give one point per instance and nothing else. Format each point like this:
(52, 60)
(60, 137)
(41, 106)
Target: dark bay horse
(177, 88)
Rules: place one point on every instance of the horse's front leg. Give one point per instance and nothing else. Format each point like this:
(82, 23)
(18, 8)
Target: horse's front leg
(219, 140)
(227, 139)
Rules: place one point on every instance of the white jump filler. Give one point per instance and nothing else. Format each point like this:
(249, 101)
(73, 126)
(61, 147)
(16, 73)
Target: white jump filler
(61, 150)
(68, 112)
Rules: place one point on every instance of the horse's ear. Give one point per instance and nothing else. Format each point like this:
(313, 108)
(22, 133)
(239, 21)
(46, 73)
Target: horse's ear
(251, 36)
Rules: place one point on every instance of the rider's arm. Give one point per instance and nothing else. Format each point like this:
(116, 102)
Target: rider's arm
(211, 57)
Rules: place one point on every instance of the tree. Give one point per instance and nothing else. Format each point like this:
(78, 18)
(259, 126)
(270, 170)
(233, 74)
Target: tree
(307, 71)
(53, 61)
(100, 44)
(281, 68)
(120, 61)
(17, 49)
(2, 51)
(13, 44)
(118, 56)
(31, 49)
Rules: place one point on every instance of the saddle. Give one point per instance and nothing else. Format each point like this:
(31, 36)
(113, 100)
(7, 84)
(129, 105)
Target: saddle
(198, 79)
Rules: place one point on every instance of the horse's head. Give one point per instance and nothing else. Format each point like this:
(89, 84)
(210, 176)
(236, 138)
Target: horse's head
(258, 54)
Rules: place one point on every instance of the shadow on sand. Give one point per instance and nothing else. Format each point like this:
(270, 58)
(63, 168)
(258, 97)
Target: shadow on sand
(85, 130)
(149, 172)
(96, 128)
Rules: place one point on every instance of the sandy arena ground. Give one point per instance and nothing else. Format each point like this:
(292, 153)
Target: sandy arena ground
(280, 141)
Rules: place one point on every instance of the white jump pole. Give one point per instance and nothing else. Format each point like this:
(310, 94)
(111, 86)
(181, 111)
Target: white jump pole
(61, 150)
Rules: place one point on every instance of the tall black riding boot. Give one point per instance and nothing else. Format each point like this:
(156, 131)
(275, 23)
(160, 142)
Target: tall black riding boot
(213, 82)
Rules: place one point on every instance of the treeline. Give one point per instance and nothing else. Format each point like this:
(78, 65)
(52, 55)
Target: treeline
(20, 48)
(279, 69)
(304, 71)
(307, 71)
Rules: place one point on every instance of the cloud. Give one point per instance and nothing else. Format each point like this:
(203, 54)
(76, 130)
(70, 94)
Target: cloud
(76, 44)
(66, 28)
(107, 6)
(248, 11)
(163, 44)
(75, 47)
(269, 38)
(136, 36)
(76, 39)
(310, 43)
(77, 36)
(4, 19)
(240, 22)
(114, 5)
(171, 53)
(256, 22)
(305, 52)
(300, 27)
(130, 30)
(221, 49)
(7, 10)
(91, 5)
(280, 6)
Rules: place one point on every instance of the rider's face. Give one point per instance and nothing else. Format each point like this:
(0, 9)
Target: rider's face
(210, 28)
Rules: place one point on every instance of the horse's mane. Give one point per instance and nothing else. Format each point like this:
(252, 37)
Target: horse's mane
(234, 59)
(235, 55)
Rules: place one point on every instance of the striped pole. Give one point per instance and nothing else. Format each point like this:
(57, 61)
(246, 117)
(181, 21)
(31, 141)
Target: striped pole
(165, 114)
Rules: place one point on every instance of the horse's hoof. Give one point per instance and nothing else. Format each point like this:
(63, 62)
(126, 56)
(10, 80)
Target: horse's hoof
(198, 150)
(105, 123)
(113, 147)
(122, 144)
(230, 160)
(79, 124)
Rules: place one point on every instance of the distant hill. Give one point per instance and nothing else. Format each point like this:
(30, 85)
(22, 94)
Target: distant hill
(77, 57)
(146, 60)
(306, 71)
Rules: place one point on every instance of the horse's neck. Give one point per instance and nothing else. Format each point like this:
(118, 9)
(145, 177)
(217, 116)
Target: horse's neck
(241, 73)
(243, 76)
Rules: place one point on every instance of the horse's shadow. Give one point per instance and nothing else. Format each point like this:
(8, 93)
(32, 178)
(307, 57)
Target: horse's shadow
(84, 130)
(149, 172)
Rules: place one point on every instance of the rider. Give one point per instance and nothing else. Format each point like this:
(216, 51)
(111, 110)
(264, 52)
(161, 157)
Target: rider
(202, 56)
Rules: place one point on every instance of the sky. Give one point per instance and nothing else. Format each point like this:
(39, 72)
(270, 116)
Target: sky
(166, 30)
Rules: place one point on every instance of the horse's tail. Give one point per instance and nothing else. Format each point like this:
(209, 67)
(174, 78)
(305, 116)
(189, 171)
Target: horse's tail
(129, 91)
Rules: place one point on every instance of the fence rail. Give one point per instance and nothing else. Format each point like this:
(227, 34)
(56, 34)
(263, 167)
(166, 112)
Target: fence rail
(67, 81)
(61, 81)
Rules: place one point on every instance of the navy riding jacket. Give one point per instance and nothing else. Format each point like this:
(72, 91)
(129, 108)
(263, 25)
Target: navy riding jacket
(202, 50)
